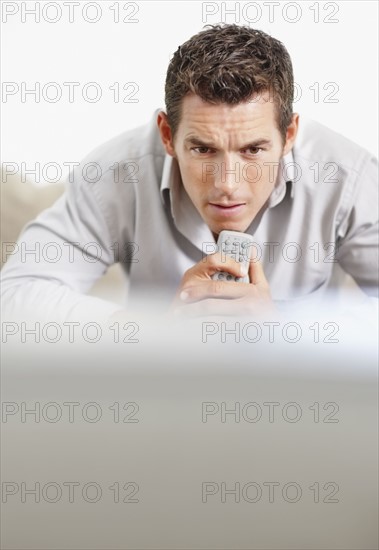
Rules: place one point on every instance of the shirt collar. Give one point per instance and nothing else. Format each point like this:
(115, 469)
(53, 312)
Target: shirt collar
(286, 176)
(185, 215)
(170, 173)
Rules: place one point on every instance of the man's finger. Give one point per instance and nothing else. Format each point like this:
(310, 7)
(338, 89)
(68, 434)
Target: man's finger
(222, 262)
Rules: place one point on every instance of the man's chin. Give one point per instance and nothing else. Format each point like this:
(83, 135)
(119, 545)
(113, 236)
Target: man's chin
(229, 225)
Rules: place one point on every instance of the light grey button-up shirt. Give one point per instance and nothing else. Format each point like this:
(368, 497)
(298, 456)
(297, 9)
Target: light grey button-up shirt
(126, 203)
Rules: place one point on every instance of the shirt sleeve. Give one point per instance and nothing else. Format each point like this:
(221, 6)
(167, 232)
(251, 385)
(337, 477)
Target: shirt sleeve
(59, 256)
(357, 235)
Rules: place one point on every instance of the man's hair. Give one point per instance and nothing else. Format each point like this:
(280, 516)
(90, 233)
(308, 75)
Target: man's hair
(230, 64)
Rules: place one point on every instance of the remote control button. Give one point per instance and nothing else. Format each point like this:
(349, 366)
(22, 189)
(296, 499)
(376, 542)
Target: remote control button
(229, 277)
(227, 241)
(221, 276)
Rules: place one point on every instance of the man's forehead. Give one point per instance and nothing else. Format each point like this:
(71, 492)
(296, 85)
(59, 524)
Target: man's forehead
(197, 113)
(203, 123)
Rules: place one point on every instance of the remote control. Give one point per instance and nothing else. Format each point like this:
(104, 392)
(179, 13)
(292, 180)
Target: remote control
(238, 246)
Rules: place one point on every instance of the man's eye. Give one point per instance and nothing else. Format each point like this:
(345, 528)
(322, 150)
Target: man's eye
(201, 150)
(253, 150)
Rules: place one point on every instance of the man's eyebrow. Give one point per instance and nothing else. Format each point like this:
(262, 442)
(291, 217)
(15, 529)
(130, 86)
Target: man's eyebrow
(198, 142)
(257, 142)
(194, 140)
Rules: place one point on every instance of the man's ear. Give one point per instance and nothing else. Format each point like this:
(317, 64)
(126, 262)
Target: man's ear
(165, 133)
(291, 134)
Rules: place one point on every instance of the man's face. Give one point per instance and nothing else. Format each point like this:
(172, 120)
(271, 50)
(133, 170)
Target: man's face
(228, 157)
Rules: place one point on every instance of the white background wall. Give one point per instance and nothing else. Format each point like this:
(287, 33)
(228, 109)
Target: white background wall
(333, 46)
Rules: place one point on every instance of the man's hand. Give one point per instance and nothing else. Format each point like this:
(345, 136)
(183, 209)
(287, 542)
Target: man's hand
(199, 295)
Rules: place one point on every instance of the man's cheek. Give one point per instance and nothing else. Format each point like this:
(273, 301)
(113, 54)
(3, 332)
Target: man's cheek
(198, 176)
(253, 172)
(269, 173)
(190, 167)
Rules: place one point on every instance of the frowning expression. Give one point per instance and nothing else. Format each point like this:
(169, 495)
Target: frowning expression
(228, 157)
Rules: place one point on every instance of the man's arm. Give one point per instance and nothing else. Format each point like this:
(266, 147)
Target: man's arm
(59, 256)
(357, 251)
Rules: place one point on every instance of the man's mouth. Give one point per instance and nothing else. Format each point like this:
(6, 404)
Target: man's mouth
(228, 209)
(227, 205)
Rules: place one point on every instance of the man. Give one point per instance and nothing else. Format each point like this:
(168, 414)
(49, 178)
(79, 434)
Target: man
(228, 153)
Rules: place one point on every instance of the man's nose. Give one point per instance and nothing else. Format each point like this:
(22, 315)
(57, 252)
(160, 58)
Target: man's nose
(228, 176)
